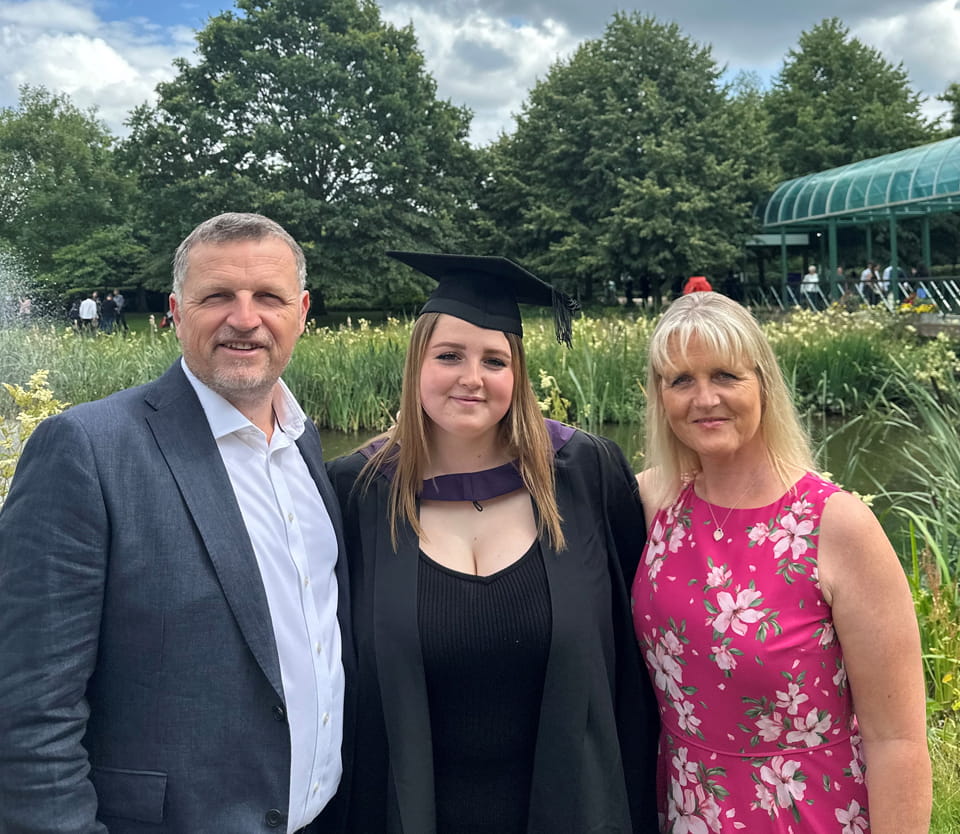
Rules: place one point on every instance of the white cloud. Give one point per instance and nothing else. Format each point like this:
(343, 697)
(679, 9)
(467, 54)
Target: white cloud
(45, 15)
(485, 62)
(924, 38)
(64, 47)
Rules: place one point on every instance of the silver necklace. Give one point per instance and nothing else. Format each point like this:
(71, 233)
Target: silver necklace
(718, 528)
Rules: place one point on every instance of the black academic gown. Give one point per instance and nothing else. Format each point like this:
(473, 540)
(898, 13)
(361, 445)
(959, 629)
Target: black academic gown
(594, 766)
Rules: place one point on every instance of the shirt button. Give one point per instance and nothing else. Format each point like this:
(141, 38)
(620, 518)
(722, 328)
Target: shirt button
(316, 786)
(319, 648)
(306, 581)
(326, 718)
(290, 517)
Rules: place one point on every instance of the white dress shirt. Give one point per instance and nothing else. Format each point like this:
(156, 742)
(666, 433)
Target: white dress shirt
(296, 550)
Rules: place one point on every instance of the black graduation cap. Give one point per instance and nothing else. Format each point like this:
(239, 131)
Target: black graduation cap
(485, 290)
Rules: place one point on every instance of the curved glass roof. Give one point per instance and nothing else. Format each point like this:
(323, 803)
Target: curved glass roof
(916, 181)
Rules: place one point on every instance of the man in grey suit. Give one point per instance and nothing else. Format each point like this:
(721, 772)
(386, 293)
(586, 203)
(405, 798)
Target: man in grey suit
(170, 653)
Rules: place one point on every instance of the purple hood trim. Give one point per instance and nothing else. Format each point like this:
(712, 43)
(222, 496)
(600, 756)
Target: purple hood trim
(481, 486)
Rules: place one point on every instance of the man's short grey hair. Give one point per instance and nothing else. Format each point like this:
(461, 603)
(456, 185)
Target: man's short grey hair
(232, 226)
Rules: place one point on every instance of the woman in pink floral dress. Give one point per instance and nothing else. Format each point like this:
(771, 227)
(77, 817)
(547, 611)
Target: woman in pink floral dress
(775, 619)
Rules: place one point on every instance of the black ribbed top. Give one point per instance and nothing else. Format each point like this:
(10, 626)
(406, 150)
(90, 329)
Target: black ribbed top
(485, 642)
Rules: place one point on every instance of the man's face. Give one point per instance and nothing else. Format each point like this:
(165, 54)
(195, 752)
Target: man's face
(239, 315)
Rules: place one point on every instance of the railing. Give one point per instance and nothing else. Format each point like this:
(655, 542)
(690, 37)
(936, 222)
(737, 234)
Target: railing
(943, 291)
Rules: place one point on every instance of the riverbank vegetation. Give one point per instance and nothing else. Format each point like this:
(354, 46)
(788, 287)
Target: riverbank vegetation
(890, 390)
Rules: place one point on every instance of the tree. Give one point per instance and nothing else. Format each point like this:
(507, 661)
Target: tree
(58, 183)
(320, 115)
(951, 96)
(627, 164)
(837, 100)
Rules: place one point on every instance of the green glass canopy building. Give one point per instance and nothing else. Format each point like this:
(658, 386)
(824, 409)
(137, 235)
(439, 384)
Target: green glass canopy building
(917, 182)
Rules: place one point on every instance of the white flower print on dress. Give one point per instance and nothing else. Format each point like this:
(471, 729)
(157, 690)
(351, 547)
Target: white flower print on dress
(709, 808)
(852, 820)
(791, 535)
(765, 801)
(686, 720)
(686, 770)
(787, 780)
(725, 659)
(758, 534)
(677, 534)
(770, 726)
(840, 678)
(810, 729)
(668, 673)
(801, 507)
(737, 613)
(718, 576)
(682, 812)
(827, 634)
(655, 549)
(791, 699)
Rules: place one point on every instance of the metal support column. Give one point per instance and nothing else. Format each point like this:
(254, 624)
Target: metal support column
(783, 268)
(894, 262)
(832, 249)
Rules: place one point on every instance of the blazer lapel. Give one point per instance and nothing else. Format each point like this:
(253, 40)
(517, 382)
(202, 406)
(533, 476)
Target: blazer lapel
(183, 435)
(309, 445)
(403, 684)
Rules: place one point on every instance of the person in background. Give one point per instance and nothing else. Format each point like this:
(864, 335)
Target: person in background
(121, 303)
(500, 688)
(170, 653)
(772, 611)
(810, 288)
(696, 283)
(108, 313)
(88, 314)
(73, 314)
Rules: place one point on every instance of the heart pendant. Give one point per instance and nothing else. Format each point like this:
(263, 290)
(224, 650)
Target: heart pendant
(717, 534)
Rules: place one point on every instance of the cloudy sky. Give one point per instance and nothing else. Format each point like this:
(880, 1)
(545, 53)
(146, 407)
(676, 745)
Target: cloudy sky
(485, 54)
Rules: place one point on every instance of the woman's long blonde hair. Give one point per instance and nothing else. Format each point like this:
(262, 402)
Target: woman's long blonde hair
(406, 446)
(729, 331)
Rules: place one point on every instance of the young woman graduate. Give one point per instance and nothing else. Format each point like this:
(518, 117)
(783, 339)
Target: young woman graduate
(500, 688)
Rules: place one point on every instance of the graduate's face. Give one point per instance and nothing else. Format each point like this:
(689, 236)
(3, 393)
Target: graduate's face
(239, 315)
(466, 379)
(713, 407)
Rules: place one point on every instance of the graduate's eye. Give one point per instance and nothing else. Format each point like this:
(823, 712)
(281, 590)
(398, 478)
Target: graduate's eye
(678, 381)
(447, 357)
(496, 362)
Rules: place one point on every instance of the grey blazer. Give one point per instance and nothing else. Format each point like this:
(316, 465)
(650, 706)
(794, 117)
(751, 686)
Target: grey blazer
(140, 685)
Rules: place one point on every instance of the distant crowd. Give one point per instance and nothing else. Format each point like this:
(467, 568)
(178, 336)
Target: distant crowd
(90, 314)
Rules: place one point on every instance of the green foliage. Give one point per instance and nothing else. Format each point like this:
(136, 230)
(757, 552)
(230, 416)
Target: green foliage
(58, 186)
(628, 159)
(944, 743)
(837, 100)
(33, 403)
(321, 116)
(839, 362)
(951, 96)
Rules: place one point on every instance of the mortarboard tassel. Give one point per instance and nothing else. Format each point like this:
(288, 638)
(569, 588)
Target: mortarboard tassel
(563, 309)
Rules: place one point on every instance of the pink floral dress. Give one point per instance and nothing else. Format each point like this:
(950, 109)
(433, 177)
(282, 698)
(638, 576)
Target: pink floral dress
(758, 727)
